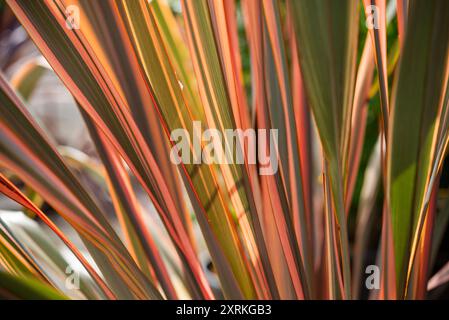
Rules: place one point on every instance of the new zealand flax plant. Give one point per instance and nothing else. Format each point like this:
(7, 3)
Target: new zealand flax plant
(332, 77)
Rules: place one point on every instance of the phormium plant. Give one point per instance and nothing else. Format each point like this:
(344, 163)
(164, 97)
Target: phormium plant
(295, 84)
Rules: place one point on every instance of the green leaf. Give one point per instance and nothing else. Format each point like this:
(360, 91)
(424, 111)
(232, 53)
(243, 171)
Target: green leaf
(26, 288)
(327, 33)
(415, 118)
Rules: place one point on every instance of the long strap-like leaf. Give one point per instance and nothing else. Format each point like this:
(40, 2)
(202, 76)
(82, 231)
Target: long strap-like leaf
(415, 120)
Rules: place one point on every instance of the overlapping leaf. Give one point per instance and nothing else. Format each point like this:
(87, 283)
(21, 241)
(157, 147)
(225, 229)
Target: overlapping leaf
(416, 115)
